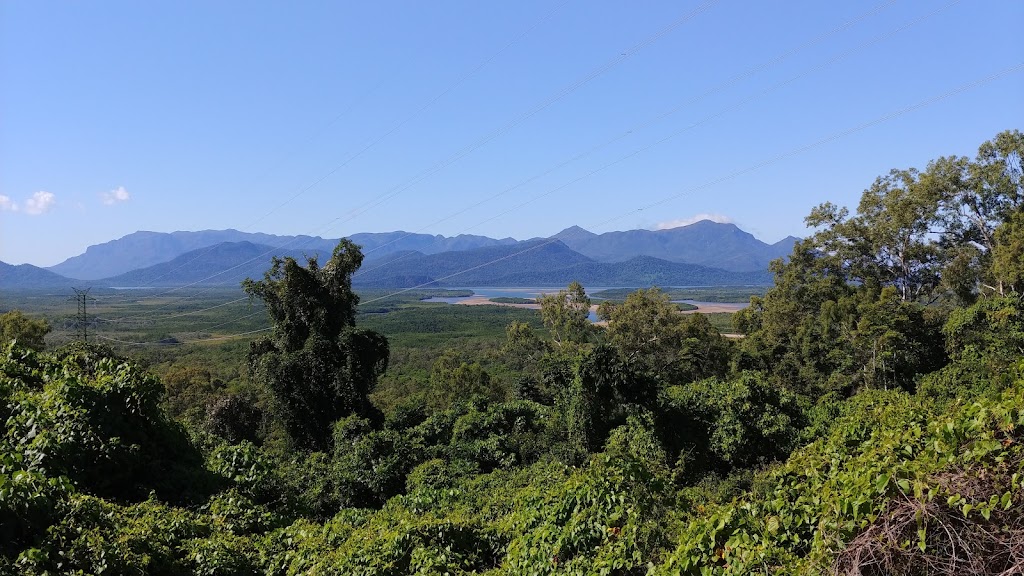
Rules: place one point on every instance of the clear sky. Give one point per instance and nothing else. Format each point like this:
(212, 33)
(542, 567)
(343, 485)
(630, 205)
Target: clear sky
(330, 118)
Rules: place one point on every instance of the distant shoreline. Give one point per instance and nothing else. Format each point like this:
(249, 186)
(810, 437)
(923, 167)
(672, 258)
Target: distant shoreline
(703, 308)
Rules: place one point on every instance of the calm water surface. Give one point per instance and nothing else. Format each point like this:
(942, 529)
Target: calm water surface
(488, 292)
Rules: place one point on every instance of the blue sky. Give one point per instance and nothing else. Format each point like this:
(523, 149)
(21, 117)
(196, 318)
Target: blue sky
(331, 118)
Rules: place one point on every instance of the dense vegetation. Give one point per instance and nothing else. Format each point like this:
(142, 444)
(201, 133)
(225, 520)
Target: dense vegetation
(870, 422)
(512, 300)
(701, 293)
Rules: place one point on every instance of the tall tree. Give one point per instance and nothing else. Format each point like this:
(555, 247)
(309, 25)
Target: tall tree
(791, 332)
(649, 331)
(1008, 254)
(976, 198)
(566, 314)
(318, 365)
(889, 240)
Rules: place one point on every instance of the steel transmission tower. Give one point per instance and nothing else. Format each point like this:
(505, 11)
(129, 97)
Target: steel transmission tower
(82, 319)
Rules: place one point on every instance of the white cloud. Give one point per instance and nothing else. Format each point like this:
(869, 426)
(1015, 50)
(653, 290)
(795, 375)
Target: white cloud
(40, 202)
(692, 220)
(116, 195)
(7, 205)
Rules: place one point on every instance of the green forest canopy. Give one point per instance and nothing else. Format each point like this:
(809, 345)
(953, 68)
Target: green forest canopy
(869, 422)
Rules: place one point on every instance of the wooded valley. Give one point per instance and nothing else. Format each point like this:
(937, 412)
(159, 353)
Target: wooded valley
(868, 421)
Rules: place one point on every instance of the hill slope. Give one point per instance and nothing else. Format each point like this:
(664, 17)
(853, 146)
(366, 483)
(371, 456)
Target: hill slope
(143, 249)
(29, 277)
(224, 264)
(477, 267)
(542, 263)
(528, 263)
(706, 243)
(704, 253)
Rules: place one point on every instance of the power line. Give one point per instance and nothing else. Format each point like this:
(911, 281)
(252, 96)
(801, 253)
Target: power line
(754, 167)
(649, 122)
(831, 61)
(717, 88)
(310, 138)
(82, 317)
(728, 82)
(543, 105)
(793, 152)
(127, 319)
(564, 92)
(425, 106)
(213, 339)
(416, 113)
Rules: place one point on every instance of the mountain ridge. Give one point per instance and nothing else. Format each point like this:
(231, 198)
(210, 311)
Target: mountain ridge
(703, 253)
(706, 243)
(29, 277)
(144, 248)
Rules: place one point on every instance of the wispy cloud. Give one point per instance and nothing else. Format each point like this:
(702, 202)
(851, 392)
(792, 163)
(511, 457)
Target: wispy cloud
(40, 203)
(692, 220)
(7, 205)
(115, 196)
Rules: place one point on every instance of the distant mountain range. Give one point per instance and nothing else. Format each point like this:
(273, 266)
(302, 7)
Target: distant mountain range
(142, 249)
(540, 263)
(706, 243)
(704, 253)
(225, 264)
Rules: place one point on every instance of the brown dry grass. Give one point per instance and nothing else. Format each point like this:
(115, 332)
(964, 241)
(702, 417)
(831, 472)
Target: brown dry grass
(954, 544)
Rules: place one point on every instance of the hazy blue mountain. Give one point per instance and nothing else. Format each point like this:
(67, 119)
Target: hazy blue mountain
(388, 242)
(29, 277)
(539, 262)
(543, 263)
(228, 263)
(143, 249)
(224, 264)
(640, 257)
(706, 243)
(471, 267)
(786, 244)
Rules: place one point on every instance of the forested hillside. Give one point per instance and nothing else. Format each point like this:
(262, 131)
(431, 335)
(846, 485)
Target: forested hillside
(870, 421)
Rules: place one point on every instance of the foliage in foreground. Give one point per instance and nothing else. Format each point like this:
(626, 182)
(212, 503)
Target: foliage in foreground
(883, 484)
(870, 423)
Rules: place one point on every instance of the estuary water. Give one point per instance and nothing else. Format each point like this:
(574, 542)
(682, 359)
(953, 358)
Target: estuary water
(489, 293)
(715, 306)
(482, 295)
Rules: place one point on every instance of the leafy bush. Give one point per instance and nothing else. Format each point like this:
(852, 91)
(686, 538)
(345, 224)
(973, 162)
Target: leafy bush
(889, 447)
(96, 420)
(736, 423)
(244, 465)
(29, 503)
(95, 537)
(235, 418)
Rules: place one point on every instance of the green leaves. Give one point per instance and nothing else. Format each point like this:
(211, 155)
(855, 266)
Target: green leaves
(317, 364)
(29, 332)
(96, 420)
(739, 422)
(566, 315)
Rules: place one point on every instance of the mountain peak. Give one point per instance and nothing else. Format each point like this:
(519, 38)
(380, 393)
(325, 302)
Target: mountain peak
(575, 233)
(707, 224)
(787, 242)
